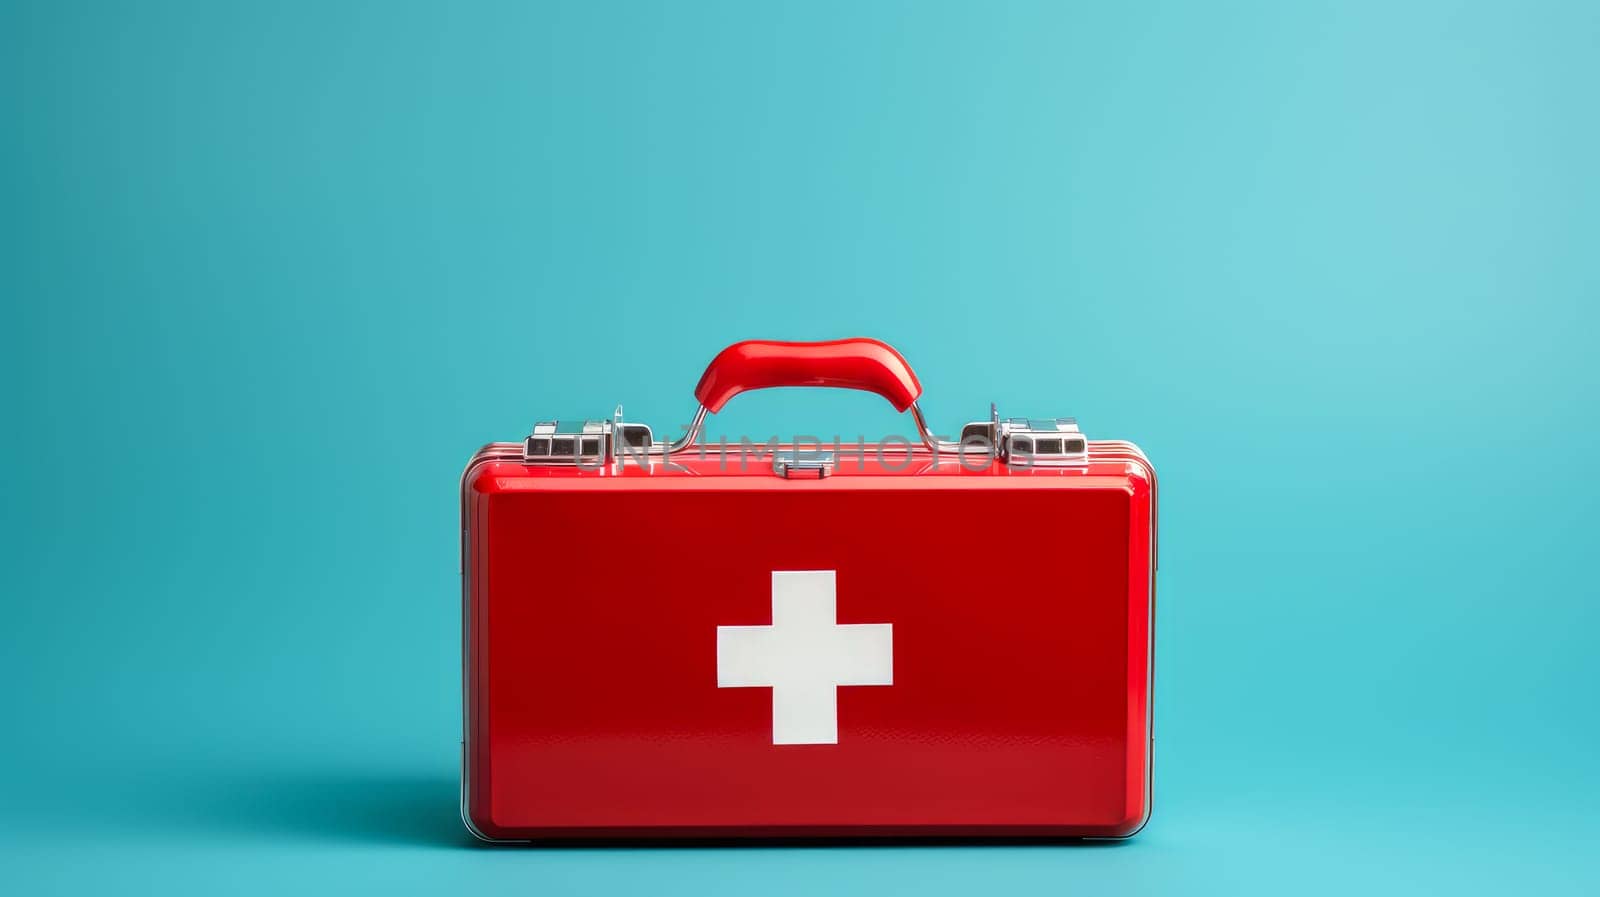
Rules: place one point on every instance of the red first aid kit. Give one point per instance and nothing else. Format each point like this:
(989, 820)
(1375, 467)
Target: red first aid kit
(679, 640)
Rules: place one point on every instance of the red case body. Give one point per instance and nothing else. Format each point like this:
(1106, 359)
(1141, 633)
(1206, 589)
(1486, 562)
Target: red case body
(595, 603)
(1021, 604)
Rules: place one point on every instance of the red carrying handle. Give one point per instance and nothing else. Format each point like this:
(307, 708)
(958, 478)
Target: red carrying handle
(858, 363)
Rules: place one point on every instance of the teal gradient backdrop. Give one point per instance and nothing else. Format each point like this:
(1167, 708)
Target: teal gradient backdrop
(271, 272)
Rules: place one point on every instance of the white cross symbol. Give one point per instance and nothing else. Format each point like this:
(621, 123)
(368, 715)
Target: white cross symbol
(804, 656)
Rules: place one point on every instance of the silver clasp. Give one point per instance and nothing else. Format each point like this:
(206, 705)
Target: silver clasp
(800, 465)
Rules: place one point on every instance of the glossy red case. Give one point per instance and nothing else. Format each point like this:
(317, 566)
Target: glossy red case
(1021, 601)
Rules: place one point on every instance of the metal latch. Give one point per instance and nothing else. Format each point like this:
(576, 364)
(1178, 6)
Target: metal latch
(802, 465)
(1052, 441)
(1024, 442)
(569, 442)
(587, 443)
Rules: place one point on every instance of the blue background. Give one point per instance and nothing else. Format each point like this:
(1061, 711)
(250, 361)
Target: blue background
(272, 271)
